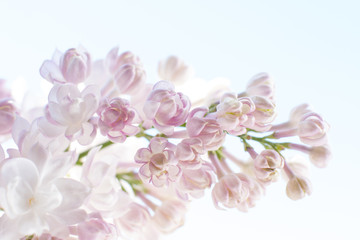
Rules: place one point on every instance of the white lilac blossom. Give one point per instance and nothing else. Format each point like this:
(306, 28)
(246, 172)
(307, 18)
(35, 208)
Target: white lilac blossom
(35, 201)
(71, 109)
(113, 157)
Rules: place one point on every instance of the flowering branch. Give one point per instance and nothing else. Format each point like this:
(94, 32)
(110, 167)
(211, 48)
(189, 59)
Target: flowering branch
(138, 191)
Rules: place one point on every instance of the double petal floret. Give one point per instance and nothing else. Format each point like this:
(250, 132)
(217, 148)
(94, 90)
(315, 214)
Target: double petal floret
(72, 109)
(116, 118)
(159, 163)
(166, 108)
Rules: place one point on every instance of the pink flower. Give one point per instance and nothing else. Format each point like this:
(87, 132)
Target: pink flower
(205, 128)
(193, 182)
(129, 78)
(74, 66)
(166, 108)
(113, 61)
(236, 191)
(313, 129)
(187, 152)
(266, 165)
(234, 114)
(261, 85)
(116, 119)
(169, 216)
(125, 71)
(159, 163)
(175, 70)
(264, 113)
(7, 115)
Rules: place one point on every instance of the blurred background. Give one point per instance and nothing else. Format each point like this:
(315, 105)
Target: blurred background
(310, 48)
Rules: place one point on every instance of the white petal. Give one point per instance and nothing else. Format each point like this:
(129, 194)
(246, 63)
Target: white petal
(49, 129)
(51, 72)
(19, 128)
(74, 194)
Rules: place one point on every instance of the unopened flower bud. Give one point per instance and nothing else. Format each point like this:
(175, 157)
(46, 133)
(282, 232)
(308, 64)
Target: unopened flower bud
(113, 61)
(264, 113)
(170, 215)
(297, 187)
(261, 85)
(298, 112)
(313, 129)
(320, 156)
(75, 65)
(266, 165)
(129, 78)
(175, 70)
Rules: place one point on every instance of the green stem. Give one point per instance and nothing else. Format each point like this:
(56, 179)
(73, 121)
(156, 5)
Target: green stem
(85, 153)
(132, 179)
(278, 147)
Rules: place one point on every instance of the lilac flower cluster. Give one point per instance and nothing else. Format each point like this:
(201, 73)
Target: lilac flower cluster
(111, 156)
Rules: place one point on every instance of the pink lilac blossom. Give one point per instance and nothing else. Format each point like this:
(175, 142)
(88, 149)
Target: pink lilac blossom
(125, 72)
(74, 66)
(188, 153)
(61, 183)
(234, 114)
(116, 119)
(205, 128)
(236, 191)
(194, 182)
(166, 108)
(159, 164)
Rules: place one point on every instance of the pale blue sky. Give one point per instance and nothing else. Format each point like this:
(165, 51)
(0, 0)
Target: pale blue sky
(311, 48)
